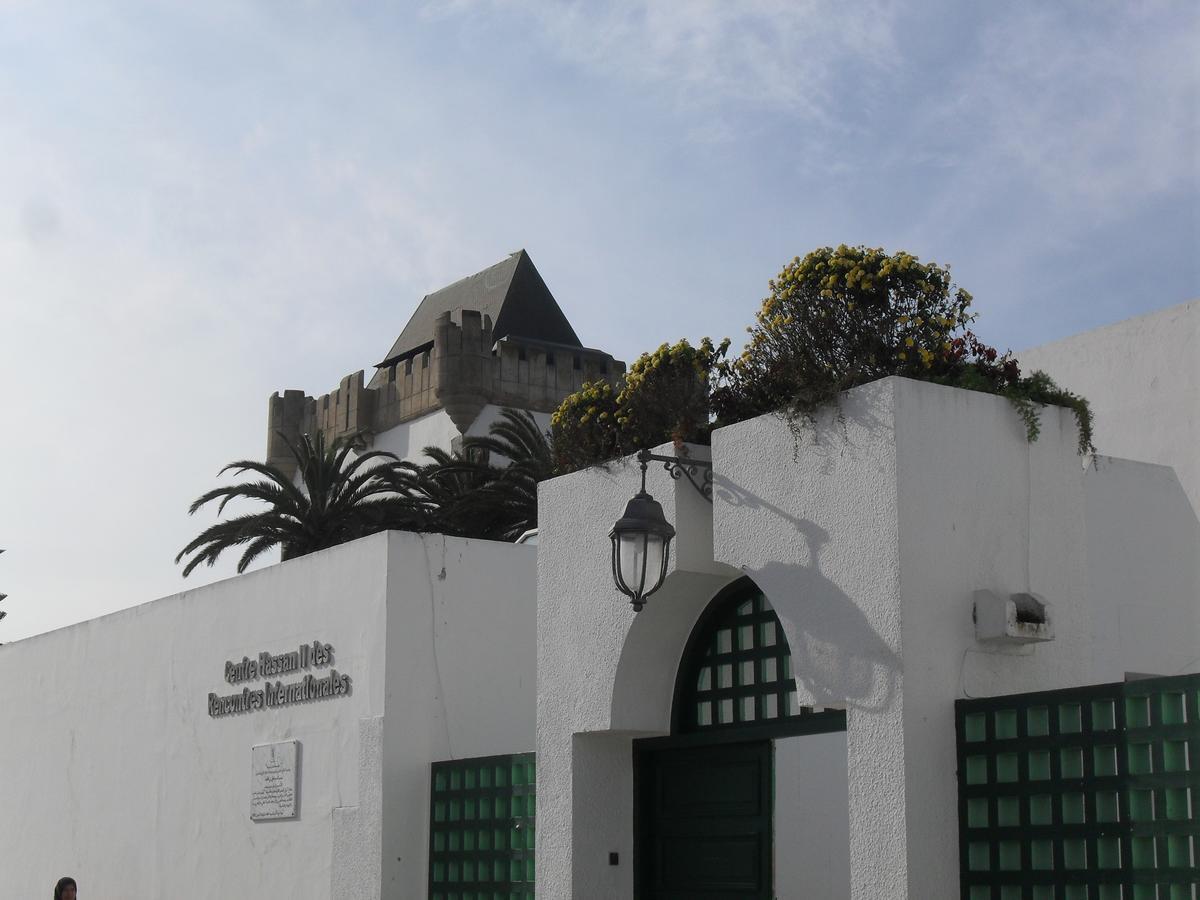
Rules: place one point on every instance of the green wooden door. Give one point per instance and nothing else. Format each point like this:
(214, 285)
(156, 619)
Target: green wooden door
(704, 822)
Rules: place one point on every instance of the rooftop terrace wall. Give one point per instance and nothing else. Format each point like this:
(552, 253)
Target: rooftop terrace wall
(1142, 378)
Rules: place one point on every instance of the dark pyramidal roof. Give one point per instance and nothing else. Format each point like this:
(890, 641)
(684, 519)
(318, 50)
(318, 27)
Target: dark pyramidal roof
(511, 292)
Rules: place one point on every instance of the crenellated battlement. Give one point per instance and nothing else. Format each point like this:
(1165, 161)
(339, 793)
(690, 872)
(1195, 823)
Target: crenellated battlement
(462, 370)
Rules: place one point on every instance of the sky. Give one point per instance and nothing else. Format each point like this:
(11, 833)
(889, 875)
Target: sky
(203, 203)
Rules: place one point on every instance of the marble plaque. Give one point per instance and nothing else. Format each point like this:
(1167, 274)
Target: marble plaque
(273, 780)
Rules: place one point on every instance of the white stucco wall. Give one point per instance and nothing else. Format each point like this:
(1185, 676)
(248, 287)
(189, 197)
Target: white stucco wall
(1143, 557)
(870, 542)
(115, 773)
(460, 677)
(813, 520)
(812, 819)
(1142, 378)
(980, 508)
(409, 439)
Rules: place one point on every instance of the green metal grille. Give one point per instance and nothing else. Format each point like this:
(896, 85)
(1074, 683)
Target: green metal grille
(739, 672)
(1082, 794)
(481, 828)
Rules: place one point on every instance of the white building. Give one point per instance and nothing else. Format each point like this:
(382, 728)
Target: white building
(677, 751)
(117, 771)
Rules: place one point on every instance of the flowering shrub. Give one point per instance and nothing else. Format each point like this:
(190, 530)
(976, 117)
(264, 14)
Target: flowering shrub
(583, 430)
(835, 319)
(840, 318)
(665, 397)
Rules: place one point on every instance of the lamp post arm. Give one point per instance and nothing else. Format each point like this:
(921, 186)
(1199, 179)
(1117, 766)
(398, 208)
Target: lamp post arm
(699, 472)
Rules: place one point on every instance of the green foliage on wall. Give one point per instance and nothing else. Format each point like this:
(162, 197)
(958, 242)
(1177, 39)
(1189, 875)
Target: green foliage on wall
(583, 430)
(838, 318)
(665, 397)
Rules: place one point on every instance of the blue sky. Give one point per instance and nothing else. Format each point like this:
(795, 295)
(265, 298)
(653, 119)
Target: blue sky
(204, 203)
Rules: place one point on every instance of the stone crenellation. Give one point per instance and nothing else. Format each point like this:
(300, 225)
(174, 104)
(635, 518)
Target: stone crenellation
(461, 370)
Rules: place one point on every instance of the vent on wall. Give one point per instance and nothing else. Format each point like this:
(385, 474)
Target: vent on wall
(1015, 619)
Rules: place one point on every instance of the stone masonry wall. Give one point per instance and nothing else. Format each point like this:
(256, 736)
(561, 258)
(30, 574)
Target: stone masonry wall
(464, 370)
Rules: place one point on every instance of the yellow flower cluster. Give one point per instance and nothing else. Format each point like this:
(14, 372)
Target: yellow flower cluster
(843, 293)
(664, 395)
(584, 405)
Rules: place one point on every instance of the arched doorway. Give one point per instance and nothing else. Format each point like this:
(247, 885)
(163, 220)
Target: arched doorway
(703, 809)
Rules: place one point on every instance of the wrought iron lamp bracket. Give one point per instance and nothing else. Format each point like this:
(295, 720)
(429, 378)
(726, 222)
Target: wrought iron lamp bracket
(699, 472)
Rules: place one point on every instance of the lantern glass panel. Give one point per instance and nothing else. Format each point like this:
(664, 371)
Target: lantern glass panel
(637, 548)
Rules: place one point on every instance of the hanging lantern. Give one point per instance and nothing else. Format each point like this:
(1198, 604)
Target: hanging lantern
(641, 547)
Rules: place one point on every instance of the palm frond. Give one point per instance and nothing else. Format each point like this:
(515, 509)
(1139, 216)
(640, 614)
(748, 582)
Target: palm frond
(343, 494)
(332, 507)
(273, 473)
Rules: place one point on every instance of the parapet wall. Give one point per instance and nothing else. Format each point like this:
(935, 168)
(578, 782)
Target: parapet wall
(346, 410)
(462, 370)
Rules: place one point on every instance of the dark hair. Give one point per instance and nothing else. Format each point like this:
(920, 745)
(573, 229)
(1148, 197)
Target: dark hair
(63, 884)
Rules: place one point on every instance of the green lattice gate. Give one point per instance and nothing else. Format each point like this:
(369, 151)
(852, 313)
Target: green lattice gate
(481, 828)
(1083, 794)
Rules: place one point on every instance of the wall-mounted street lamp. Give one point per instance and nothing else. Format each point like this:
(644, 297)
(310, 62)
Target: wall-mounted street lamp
(641, 539)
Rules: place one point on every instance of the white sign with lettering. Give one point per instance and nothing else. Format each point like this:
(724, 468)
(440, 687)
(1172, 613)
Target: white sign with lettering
(273, 780)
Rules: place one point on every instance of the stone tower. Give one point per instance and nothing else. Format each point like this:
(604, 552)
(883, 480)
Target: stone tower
(494, 338)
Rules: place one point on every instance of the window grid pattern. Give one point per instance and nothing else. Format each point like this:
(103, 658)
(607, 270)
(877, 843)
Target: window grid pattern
(482, 827)
(1082, 794)
(743, 677)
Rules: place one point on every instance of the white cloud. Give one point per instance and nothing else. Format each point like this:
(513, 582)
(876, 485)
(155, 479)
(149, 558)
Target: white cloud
(159, 284)
(767, 54)
(1057, 134)
(1097, 110)
(194, 213)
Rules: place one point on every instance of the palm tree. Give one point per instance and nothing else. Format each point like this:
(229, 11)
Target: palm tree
(513, 492)
(464, 494)
(337, 501)
(443, 495)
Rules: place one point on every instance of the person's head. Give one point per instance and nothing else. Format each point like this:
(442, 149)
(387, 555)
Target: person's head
(65, 889)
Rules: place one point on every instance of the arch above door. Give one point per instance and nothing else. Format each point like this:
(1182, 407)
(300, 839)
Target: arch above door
(735, 678)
